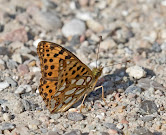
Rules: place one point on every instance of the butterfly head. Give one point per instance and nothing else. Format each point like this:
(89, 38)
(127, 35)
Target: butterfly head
(97, 71)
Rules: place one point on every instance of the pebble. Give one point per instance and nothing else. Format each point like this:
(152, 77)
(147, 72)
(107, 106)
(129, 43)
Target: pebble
(136, 71)
(17, 57)
(11, 64)
(156, 47)
(16, 45)
(112, 131)
(84, 16)
(11, 82)
(22, 89)
(43, 130)
(73, 27)
(23, 69)
(119, 126)
(74, 132)
(147, 118)
(133, 89)
(3, 50)
(52, 133)
(74, 116)
(19, 34)
(7, 117)
(3, 85)
(149, 107)
(163, 46)
(83, 2)
(2, 62)
(107, 44)
(146, 83)
(35, 43)
(95, 26)
(142, 131)
(109, 125)
(7, 126)
(22, 130)
(55, 116)
(101, 116)
(50, 21)
(26, 105)
(17, 107)
(33, 124)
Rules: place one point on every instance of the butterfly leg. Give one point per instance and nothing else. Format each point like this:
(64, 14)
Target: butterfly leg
(102, 88)
(82, 104)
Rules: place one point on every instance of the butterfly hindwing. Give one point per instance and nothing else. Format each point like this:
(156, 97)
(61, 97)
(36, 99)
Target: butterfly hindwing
(59, 67)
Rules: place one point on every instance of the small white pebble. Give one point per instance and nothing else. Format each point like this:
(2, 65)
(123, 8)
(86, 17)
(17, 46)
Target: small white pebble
(35, 43)
(120, 126)
(136, 71)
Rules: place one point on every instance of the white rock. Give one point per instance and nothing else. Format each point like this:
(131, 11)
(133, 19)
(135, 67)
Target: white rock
(84, 16)
(101, 116)
(22, 89)
(136, 71)
(35, 69)
(73, 27)
(35, 43)
(3, 85)
(120, 126)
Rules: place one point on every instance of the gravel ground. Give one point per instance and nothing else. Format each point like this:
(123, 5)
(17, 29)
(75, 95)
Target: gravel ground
(135, 92)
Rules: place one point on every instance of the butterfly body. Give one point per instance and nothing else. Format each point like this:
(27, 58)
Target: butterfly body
(65, 79)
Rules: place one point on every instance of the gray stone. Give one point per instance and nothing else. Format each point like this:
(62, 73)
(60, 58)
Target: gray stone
(12, 82)
(74, 132)
(3, 51)
(142, 131)
(149, 106)
(17, 106)
(3, 85)
(147, 118)
(109, 125)
(11, 64)
(26, 105)
(2, 101)
(7, 126)
(73, 27)
(49, 21)
(23, 88)
(74, 116)
(133, 89)
(53, 133)
(146, 83)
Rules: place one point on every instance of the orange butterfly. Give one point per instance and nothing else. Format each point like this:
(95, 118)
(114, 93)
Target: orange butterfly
(65, 79)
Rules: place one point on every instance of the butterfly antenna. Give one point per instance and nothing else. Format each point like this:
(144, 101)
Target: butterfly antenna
(118, 63)
(100, 37)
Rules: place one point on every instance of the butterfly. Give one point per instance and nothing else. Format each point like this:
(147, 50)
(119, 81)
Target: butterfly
(65, 79)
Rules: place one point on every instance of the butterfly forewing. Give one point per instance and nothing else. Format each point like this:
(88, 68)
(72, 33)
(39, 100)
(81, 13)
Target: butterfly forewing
(65, 79)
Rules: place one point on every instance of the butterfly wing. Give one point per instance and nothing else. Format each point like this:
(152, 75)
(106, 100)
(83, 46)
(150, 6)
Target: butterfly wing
(60, 68)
